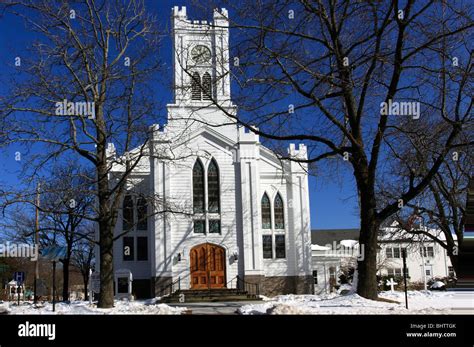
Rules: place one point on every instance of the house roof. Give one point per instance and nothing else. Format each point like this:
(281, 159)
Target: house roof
(323, 237)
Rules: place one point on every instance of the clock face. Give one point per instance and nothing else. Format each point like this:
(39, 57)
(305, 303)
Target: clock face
(201, 54)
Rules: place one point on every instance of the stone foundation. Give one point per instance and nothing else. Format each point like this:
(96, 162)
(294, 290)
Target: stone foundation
(159, 283)
(278, 285)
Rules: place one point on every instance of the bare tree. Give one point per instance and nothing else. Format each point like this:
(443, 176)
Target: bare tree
(349, 78)
(69, 194)
(83, 260)
(66, 198)
(85, 83)
(439, 212)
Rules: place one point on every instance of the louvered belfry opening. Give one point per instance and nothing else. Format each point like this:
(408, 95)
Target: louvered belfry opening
(196, 86)
(206, 87)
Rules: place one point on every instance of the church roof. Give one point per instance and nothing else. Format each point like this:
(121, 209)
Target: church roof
(328, 236)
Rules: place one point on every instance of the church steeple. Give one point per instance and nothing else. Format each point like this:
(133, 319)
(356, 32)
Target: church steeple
(201, 59)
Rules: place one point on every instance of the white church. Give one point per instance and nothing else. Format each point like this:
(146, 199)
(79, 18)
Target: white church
(224, 206)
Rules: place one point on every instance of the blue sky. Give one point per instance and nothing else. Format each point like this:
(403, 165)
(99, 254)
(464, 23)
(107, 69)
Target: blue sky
(333, 200)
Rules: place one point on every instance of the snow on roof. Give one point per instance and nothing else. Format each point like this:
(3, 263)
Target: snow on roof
(319, 248)
(349, 243)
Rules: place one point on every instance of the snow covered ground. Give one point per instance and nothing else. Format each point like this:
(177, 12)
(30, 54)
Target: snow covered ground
(83, 307)
(419, 302)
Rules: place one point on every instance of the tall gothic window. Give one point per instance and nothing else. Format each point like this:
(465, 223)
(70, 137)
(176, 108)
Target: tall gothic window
(196, 87)
(278, 212)
(213, 187)
(127, 211)
(142, 214)
(206, 87)
(266, 212)
(207, 218)
(198, 187)
(274, 245)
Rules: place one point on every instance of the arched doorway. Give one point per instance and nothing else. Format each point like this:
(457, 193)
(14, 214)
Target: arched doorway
(207, 262)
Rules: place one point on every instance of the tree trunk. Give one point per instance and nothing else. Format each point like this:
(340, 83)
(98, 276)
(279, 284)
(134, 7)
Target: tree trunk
(369, 229)
(85, 279)
(367, 267)
(106, 227)
(106, 296)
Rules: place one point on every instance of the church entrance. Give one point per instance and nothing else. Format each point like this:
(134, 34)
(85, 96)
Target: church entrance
(207, 266)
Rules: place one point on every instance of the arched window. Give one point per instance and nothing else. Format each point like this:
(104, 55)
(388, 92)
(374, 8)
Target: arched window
(278, 212)
(198, 187)
(127, 211)
(206, 87)
(142, 214)
(266, 212)
(213, 187)
(196, 87)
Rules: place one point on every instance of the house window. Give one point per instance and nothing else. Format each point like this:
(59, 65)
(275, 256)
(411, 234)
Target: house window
(142, 248)
(315, 276)
(127, 212)
(392, 252)
(213, 187)
(451, 272)
(280, 246)
(128, 249)
(206, 87)
(278, 212)
(332, 273)
(394, 272)
(195, 86)
(428, 272)
(266, 212)
(396, 252)
(428, 252)
(142, 214)
(198, 187)
(206, 216)
(267, 247)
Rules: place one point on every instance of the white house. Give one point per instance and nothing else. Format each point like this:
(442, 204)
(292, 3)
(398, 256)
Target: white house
(426, 259)
(332, 251)
(233, 207)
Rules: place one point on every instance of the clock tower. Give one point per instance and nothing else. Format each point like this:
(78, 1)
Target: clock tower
(201, 59)
(201, 75)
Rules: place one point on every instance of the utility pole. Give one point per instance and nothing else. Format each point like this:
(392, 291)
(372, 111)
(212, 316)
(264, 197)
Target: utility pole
(405, 274)
(54, 285)
(423, 264)
(35, 283)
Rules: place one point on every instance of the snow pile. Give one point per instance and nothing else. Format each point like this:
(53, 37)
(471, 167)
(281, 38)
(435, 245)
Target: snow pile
(437, 285)
(83, 307)
(419, 303)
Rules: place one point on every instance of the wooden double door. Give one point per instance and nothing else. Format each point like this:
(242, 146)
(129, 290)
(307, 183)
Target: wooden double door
(207, 266)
